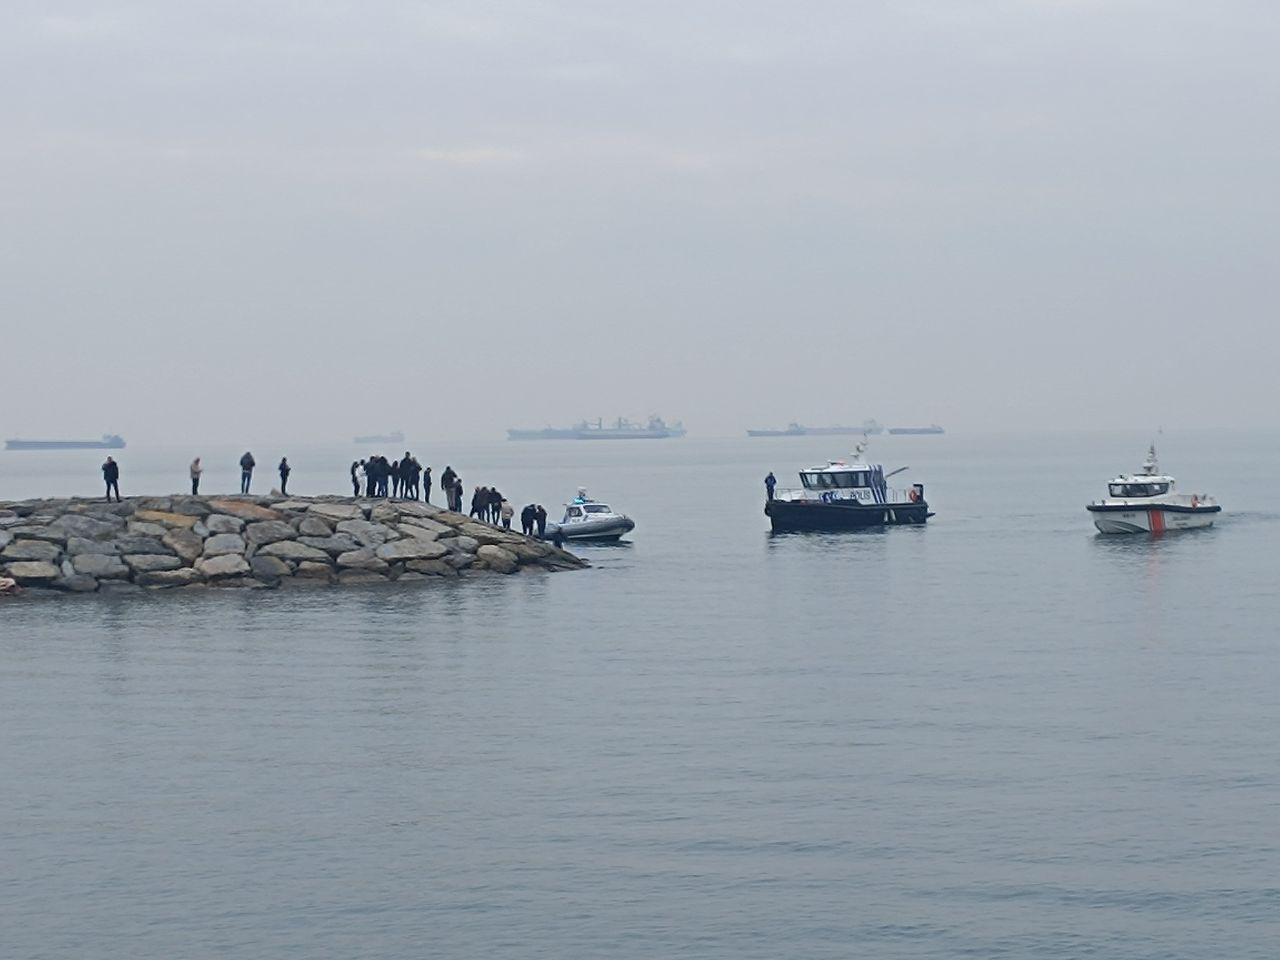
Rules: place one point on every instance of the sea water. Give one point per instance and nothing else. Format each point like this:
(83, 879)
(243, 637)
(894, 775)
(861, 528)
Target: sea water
(1001, 735)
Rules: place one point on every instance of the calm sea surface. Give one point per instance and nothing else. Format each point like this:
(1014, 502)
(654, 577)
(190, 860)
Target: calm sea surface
(998, 736)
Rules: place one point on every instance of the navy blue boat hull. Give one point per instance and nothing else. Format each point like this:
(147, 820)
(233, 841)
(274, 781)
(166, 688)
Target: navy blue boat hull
(806, 516)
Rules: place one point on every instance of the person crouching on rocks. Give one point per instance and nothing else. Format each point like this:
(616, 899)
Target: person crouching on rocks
(285, 470)
(196, 470)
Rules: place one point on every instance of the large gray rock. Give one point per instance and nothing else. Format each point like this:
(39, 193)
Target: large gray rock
(223, 543)
(140, 545)
(291, 505)
(191, 506)
(184, 543)
(267, 531)
(529, 551)
(223, 523)
(318, 571)
(6, 538)
(461, 544)
(338, 543)
(496, 558)
(244, 509)
(182, 577)
(269, 568)
(336, 511)
(100, 565)
(223, 565)
(412, 508)
(76, 583)
(435, 568)
(363, 559)
(487, 534)
(460, 561)
(140, 528)
(360, 576)
(384, 513)
(32, 550)
(292, 550)
(165, 518)
(91, 528)
(32, 572)
(41, 532)
(411, 548)
(369, 534)
(77, 545)
(151, 562)
(424, 523)
(419, 533)
(314, 527)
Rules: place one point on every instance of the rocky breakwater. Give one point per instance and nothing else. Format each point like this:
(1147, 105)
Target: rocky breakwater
(84, 546)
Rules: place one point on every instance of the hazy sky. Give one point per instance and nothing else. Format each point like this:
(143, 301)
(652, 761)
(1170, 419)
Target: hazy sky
(305, 220)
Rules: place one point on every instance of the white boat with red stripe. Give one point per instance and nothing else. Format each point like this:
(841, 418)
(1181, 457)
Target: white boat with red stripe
(1148, 502)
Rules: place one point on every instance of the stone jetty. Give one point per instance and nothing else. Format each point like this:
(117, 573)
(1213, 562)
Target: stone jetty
(154, 543)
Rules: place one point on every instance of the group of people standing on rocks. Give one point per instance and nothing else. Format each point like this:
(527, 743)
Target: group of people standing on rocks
(405, 478)
(111, 475)
(490, 506)
(533, 518)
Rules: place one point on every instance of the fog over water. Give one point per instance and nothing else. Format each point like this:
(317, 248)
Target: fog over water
(247, 223)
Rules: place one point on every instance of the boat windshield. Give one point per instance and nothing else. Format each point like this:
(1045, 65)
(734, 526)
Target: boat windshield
(1138, 489)
(597, 508)
(842, 479)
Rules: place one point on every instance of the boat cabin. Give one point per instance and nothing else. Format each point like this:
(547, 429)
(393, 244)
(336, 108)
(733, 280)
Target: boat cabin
(838, 475)
(1131, 488)
(581, 511)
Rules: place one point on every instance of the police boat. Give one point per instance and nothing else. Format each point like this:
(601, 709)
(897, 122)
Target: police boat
(1146, 502)
(588, 520)
(851, 495)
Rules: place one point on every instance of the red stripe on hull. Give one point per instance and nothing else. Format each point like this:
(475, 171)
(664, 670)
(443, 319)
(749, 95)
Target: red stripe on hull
(1157, 520)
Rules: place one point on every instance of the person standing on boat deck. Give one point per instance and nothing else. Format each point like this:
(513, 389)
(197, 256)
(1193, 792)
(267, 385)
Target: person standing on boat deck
(196, 470)
(111, 475)
(285, 470)
(769, 483)
(247, 463)
(540, 518)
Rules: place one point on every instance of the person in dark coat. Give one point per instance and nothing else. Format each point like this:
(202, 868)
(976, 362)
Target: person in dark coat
(355, 481)
(479, 502)
(111, 474)
(371, 477)
(247, 464)
(446, 484)
(769, 483)
(426, 485)
(526, 520)
(495, 506)
(540, 518)
(395, 478)
(457, 494)
(285, 470)
(557, 537)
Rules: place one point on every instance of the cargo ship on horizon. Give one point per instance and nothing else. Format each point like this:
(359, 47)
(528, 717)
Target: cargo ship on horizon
(621, 429)
(109, 441)
(869, 428)
(932, 428)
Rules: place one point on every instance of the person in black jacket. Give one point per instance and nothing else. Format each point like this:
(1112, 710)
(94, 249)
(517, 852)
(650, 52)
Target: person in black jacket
(355, 481)
(247, 464)
(426, 485)
(526, 520)
(285, 470)
(111, 474)
(540, 518)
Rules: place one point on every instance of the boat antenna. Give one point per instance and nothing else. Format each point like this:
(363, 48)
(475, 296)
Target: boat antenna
(1149, 466)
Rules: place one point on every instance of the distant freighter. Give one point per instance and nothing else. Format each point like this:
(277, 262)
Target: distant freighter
(932, 428)
(622, 429)
(869, 428)
(395, 437)
(111, 441)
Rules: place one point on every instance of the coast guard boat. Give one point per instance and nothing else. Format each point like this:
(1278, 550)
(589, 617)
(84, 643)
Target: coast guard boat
(842, 495)
(591, 520)
(1147, 503)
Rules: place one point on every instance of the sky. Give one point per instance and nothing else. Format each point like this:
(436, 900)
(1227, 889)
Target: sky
(305, 220)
